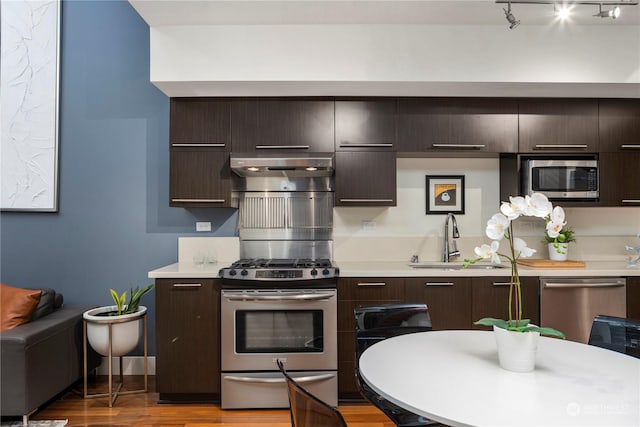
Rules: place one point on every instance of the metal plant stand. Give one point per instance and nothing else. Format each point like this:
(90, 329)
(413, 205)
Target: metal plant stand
(113, 394)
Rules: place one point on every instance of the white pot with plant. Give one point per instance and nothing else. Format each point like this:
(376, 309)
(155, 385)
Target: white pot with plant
(517, 338)
(558, 235)
(124, 319)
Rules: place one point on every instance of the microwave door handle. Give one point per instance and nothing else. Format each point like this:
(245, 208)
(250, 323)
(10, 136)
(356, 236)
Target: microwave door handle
(306, 379)
(296, 297)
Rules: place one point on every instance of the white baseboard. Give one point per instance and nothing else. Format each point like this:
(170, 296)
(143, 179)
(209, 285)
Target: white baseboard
(131, 365)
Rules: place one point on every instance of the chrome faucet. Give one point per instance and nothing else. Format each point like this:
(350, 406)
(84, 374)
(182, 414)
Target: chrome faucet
(450, 249)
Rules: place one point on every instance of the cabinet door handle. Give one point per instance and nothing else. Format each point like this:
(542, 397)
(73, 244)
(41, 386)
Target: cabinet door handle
(198, 145)
(460, 146)
(561, 146)
(370, 284)
(198, 200)
(366, 200)
(187, 285)
(439, 284)
(501, 283)
(630, 200)
(364, 145)
(630, 146)
(281, 147)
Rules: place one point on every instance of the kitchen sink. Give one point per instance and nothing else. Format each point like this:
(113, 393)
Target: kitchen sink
(454, 266)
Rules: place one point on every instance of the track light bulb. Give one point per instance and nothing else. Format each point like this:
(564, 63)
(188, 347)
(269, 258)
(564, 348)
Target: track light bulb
(613, 13)
(510, 18)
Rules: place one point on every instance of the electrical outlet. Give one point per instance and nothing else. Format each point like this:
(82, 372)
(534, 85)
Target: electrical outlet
(369, 224)
(203, 226)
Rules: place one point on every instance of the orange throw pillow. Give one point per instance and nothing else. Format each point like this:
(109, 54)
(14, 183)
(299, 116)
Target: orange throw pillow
(16, 305)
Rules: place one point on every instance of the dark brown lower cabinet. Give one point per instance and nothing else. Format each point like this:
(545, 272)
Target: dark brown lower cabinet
(188, 339)
(490, 297)
(633, 297)
(448, 300)
(352, 293)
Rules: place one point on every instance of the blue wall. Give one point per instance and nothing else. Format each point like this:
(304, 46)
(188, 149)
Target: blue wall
(114, 223)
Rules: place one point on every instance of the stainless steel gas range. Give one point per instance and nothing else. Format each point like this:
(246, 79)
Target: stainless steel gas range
(274, 309)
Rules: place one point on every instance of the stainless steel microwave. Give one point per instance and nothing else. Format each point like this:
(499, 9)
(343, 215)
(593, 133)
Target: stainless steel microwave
(562, 179)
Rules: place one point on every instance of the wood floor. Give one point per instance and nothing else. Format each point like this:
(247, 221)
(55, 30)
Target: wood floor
(144, 411)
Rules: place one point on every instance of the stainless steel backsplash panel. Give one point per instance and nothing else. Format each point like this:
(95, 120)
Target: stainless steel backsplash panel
(300, 215)
(287, 249)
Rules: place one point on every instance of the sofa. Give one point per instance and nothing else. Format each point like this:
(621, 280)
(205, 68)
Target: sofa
(42, 357)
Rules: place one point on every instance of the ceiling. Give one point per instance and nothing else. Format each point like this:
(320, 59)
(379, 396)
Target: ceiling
(327, 12)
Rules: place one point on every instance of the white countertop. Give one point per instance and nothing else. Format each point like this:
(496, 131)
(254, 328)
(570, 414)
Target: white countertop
(185, 270)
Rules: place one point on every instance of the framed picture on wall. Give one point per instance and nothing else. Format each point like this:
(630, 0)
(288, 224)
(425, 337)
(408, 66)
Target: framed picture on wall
(445, 194)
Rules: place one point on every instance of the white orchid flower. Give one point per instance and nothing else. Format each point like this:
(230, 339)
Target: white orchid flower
(496, 226)
(554, 228)
(521, 249)
(538, 205)
(515, 208)
(557, 215)
(485, 251)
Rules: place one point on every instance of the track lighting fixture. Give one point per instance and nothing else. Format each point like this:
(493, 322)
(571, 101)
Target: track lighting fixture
(509, 17)
(563, 8)
(612, 13)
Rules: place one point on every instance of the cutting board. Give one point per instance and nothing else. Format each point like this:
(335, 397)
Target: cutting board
(547, 263)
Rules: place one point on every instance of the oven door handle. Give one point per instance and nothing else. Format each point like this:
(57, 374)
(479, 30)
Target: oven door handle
(296, 297)
(302, 380)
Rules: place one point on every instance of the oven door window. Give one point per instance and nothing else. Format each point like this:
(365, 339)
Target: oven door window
(279, 331)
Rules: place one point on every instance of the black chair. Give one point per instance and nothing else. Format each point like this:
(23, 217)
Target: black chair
(617, 334)
(306, 409)
(377, 323)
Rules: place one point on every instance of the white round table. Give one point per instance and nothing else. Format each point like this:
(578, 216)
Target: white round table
(454, 377)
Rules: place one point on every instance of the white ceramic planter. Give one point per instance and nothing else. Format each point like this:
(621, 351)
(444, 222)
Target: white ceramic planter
(126, 330)
(516, 350)
(559, 253)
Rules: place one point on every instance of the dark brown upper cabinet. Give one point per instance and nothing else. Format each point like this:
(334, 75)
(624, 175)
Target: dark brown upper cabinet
(458, 126)
(200, 122)
(558, 125)
(619, 179)
(365, 178)
(619, 125)
(199, 178)
(366, 125)
(282, 125)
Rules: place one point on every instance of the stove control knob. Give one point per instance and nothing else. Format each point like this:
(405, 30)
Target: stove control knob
(314, 272)
(325, 271)
(244, 272)
(232, 273)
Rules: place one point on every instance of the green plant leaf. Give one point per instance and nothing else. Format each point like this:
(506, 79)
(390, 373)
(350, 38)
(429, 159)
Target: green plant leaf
(548, 331)
(490, 321)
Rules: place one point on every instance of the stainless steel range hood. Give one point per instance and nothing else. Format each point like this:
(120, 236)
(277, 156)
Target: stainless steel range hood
(251, 165)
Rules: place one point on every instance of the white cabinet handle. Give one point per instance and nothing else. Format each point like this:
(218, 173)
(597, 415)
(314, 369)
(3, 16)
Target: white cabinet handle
(366, 284)
(630, 200)
(439, 284)
(280, 147)
(198, 145)
(630, 146)
(366, 200)
(561, 146)
(371, 144)
(198, 200)
(501, 283)
(460, 146)
(187, 285)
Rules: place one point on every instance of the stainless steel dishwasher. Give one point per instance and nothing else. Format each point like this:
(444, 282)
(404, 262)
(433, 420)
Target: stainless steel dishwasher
(570, 304)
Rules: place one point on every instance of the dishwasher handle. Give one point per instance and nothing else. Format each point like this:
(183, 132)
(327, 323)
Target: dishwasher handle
(611, 283)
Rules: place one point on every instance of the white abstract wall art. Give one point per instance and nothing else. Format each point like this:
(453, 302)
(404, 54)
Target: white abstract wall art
(29, 74)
